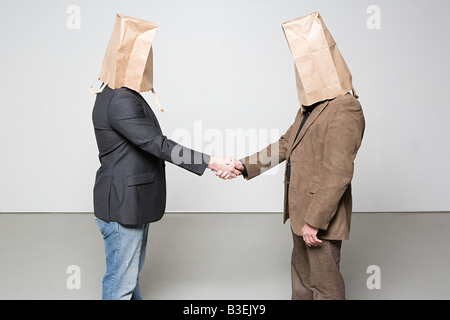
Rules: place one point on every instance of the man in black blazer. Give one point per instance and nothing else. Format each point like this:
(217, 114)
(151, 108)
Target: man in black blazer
(130, 186)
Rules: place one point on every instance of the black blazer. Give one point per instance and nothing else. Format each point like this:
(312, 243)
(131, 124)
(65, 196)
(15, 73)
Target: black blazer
(130, 186)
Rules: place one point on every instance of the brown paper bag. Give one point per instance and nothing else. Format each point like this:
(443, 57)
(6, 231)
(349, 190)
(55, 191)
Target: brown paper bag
(128, 60)
(321, 72)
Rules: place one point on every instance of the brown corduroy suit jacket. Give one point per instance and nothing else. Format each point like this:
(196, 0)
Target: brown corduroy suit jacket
(322, 165)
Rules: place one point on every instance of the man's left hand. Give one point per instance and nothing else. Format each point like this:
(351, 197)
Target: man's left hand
(310, 236)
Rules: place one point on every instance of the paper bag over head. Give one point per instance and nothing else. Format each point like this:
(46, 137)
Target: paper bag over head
(321, 72)
(128, 60)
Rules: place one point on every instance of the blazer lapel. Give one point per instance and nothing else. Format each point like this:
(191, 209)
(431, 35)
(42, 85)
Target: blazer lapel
(312, 118)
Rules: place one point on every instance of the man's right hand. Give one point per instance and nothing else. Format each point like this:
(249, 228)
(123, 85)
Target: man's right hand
(226, 168)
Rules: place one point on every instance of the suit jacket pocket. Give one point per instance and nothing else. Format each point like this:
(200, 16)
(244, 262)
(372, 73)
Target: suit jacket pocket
(140, 179)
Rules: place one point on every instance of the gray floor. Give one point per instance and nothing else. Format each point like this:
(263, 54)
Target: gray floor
(223, 256)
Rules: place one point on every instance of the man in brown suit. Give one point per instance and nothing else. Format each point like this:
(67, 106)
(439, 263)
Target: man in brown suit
(318, 196)
(320, 148)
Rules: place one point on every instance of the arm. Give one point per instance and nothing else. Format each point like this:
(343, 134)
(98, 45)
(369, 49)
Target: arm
(126, 115)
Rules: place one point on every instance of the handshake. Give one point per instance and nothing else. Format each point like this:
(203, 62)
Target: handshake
(226, 168)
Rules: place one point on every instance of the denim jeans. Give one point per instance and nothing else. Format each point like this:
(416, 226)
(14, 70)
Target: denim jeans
(125, 255)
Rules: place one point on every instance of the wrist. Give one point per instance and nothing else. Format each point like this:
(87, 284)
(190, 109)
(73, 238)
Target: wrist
(212, 163)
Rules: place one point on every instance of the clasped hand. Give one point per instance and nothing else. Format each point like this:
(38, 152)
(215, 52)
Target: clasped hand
(226, 168)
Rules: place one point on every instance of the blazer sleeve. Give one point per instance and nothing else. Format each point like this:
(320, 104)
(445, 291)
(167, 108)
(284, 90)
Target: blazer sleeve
(126, 115)
(270, 156)
(342, 142)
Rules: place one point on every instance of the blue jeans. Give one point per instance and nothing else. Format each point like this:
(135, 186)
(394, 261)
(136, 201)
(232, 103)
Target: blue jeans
(125, 255)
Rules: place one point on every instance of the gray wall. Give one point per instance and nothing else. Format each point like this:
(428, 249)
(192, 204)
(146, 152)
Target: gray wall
(223, 66)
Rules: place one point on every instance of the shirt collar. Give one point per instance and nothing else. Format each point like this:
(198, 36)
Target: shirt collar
(310, 108)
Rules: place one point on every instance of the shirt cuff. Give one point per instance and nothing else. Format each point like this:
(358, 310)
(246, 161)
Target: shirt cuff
(244, 172)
